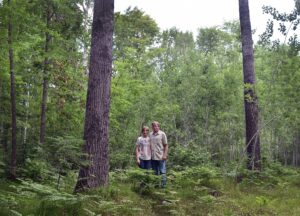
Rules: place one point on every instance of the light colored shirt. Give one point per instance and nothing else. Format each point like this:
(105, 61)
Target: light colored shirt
(158, 140)
(145, 148)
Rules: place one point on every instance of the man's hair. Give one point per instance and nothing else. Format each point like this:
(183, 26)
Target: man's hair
(155, 123)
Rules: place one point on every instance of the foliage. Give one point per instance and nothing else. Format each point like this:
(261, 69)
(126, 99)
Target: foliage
(143, 181)
(191, 84)
(183, 157)
(37, 170)
(195, 191)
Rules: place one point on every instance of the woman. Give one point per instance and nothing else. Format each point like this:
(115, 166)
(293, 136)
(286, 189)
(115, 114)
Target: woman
(143, 149)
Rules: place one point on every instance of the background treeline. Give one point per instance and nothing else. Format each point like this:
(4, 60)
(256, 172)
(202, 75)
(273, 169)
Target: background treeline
(192, 84)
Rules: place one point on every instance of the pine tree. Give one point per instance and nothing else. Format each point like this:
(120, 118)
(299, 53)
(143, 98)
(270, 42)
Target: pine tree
(45, 76)
(250, 97)
(98, 99)
(13, 165)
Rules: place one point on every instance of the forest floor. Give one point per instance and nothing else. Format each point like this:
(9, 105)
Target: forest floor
(192, 191)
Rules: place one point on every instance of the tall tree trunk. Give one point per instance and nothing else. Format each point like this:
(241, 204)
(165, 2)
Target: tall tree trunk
(98, 99)
(45, 79)
(250, 98)
(13, 165)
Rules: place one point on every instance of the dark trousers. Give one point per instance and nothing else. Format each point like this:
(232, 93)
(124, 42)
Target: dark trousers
(145, 164)
(159, 167)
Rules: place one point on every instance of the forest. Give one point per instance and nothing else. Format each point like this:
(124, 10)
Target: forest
(77, 86)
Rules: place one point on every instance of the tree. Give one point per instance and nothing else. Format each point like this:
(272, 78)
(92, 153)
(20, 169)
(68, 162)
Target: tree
(13, 165)
(250, 97)
(287, 23)
(66, 91)
(62, 29)
(49, 14)
(280, 69)
(98, 99)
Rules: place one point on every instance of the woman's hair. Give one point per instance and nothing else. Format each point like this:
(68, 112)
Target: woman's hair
(145, 128)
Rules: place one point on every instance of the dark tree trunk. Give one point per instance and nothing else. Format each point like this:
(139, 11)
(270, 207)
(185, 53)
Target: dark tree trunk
(45, 80)
(250, 98)
(13, 165)
(98, 99)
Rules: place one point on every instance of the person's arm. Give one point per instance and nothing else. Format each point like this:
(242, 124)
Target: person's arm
(166, 147)
(165, 154)
(137, 154)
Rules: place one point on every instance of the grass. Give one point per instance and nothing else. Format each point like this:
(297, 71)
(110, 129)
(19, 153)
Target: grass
(188, 193)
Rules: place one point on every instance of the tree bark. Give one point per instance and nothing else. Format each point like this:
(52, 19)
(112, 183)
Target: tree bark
(45, 79)
(98, 99)
(13, 165)
(250, 98)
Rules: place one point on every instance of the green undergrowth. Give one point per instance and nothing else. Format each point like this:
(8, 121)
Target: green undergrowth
(204, 190)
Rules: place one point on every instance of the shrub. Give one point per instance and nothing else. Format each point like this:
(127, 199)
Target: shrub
(197, 176)
(37, 170)
(183, 157)
(143, 181)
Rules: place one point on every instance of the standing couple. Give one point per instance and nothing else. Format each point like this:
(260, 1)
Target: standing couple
(152, 151)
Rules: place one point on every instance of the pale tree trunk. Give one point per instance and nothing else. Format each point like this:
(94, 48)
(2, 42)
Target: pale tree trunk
(175, 127)
(206, 126)
(45, 79)
(250, 98)
(13, 164)
(98, 99)
(186, 126)
(25, 129)
(26, 116)
(296, 151)
(86, 7)
(285, 155)
(279, 147)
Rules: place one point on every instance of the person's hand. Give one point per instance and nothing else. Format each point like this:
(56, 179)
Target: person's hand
(138, 161)
(164, 157)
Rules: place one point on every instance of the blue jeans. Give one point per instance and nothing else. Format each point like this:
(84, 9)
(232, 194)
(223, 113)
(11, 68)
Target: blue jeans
(159, 167)
(145, 164)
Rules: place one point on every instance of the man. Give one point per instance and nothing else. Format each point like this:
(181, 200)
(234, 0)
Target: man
(159, 152)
